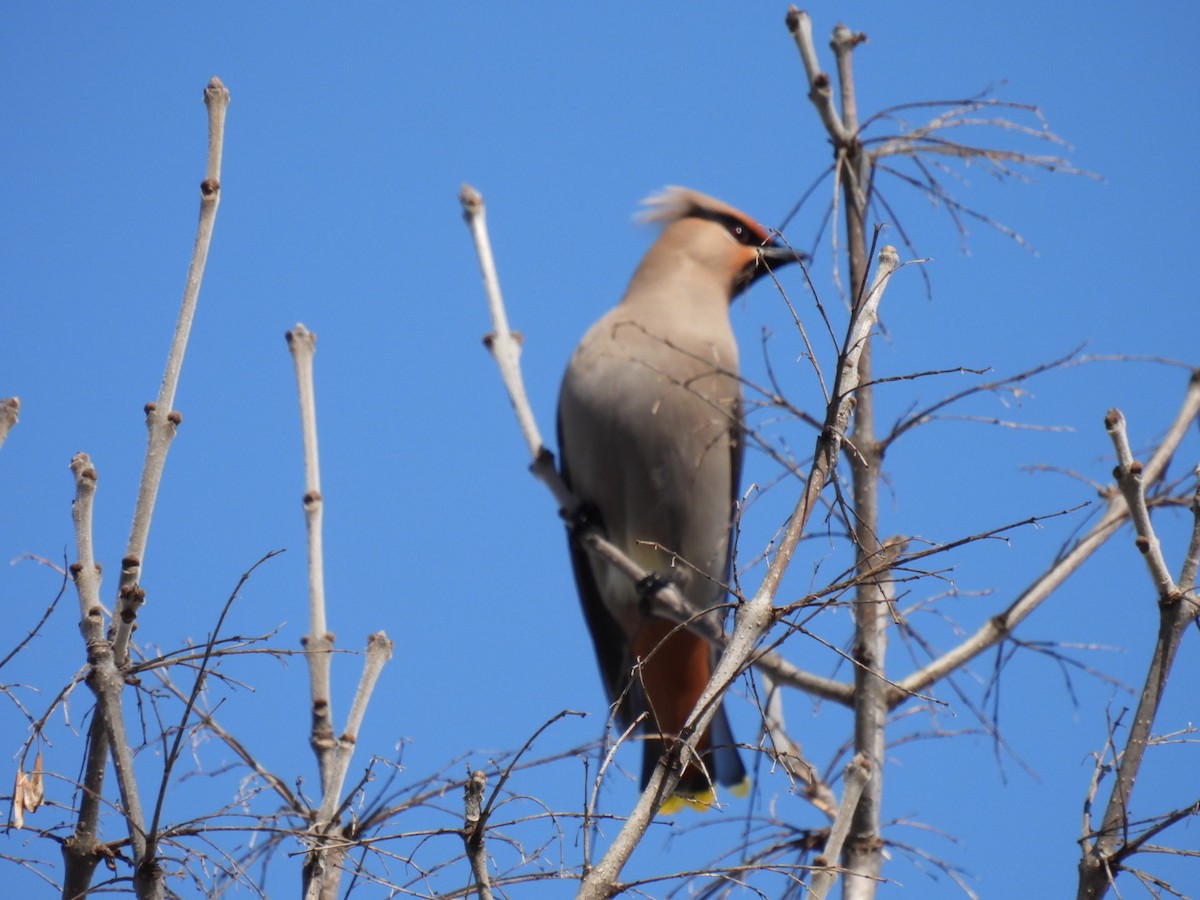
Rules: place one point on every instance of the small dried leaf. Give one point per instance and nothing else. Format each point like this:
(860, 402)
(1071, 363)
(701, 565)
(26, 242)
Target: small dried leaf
(35, 792)
(18, 811)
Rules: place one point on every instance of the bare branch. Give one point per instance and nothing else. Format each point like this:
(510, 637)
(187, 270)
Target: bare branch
(820, 91)
(856, 775)
(474, 832)
(379, 651)
(1115, 513)
(913, 419)
(172, 755)
(33, 632)
(787, 753)
(1104, 851)
(161, 418)
(318, 643)
(1129, 479)
(106, 683)
(503, 343)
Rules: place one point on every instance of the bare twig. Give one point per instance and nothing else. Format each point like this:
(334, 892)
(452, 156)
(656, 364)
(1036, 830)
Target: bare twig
(855, 777)
(33, 632)
(913, 419)
(1105, 851)
(318, 643)
(322, 865)
(505, 347)
(106, 683)
(1115, 513)
(289, 800)
(474, 832)
(379, 651)
(162, 420)
(820, 92)
(81, 851)
(172, 755)
(787, 753)
(322, 868)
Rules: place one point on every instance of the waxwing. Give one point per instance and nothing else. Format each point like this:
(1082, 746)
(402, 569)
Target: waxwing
(649, 433)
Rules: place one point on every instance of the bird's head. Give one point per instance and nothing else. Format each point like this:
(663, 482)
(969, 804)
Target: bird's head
(725, 241)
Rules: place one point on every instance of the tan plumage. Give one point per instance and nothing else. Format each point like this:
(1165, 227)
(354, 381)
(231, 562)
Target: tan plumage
(649, 423)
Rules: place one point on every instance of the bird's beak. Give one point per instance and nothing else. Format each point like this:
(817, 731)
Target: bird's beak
(775, 255)
(769, 257)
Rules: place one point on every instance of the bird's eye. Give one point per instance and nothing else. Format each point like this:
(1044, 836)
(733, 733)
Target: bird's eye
(745, 233)
(740, 233)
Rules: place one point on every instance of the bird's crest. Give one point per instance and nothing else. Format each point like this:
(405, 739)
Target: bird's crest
(673, 203)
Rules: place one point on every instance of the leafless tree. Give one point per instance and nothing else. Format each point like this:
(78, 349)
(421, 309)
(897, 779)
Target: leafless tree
(844, 475)
(412, 836)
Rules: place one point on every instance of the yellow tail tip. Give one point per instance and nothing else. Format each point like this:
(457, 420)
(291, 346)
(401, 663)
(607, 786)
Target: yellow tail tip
(700, 800)
(742, 788)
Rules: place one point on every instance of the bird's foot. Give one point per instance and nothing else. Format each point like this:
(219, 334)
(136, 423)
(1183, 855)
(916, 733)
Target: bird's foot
(647, 588)
(583, 517)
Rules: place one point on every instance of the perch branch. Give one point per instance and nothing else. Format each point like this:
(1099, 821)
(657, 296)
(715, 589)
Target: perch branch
(756, 616)
(666, 601)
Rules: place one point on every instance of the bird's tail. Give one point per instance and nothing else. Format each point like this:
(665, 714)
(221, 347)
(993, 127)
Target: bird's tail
(720, 764)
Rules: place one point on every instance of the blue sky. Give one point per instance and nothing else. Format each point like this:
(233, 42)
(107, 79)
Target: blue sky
(349, 132)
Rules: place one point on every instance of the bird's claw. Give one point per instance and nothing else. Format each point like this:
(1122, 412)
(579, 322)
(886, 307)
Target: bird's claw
(647, 587)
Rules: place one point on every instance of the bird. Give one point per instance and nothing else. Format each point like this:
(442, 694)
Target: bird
(650, 444)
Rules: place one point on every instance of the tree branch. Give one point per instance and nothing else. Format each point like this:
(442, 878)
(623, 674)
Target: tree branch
(318, 643)
(856, 775)
(161, 418)
(1001, 625)
(1105, 850)
(756, 616)
(106, 682)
